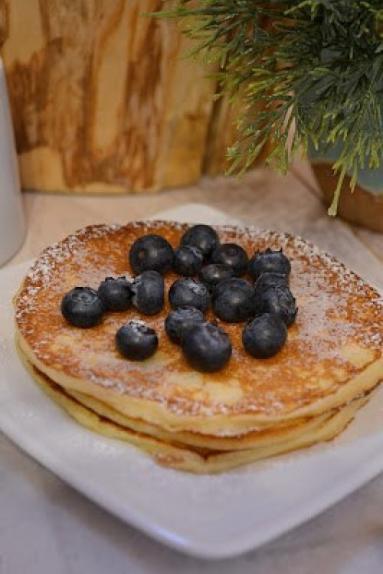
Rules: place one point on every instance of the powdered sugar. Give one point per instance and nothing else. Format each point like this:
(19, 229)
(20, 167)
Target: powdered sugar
(50, 260)
(136, 325)
(327, 296)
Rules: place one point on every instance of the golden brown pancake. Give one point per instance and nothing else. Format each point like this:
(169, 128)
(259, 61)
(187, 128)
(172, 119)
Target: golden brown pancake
(195, 440)
(185, 457)
(333, 353)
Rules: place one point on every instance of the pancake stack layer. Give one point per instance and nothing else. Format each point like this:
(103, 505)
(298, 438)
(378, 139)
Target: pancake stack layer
(203, 422)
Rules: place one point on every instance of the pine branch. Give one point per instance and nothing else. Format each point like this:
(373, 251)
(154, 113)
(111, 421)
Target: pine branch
(311, 69)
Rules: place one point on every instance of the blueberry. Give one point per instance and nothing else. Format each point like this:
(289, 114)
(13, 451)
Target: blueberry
(269, 262)
(214, 273)
(267, 280)
(230, 283)
(151, 252)
(136, 341)
(180, 321)
(264, 336)
(115, 293)
(232, 255)
(82, 307)
(279, 301)
(202, 236)
(188, 260)
(207, 347)
(189, 293)
(148, 292)
(234, 300)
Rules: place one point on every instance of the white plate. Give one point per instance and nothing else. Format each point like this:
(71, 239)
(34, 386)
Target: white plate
(207, 516)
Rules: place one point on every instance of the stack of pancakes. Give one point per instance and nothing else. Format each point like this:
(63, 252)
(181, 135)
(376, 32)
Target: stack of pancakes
(203, 422)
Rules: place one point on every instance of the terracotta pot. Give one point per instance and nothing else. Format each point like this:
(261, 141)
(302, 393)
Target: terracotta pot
(360, 206)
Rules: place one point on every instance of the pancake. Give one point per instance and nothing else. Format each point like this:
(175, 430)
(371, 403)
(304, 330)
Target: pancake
(245, 441)
(333, 353)
(181, 457)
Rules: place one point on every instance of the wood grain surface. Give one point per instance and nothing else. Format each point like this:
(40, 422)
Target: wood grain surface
(104, 99)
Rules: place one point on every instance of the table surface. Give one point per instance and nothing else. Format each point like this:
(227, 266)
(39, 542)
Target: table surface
(46, 526)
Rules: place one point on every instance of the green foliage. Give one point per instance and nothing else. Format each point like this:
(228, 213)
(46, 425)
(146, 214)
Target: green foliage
(308, 71)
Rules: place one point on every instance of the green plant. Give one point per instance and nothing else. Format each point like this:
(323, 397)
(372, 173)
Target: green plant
(309, 72)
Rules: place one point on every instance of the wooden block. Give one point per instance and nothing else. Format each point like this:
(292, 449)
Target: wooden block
(103, 98)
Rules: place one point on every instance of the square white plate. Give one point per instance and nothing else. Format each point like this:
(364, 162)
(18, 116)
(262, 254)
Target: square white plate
(206, 516)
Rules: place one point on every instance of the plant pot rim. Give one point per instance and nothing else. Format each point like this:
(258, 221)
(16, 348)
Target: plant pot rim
(360, 207)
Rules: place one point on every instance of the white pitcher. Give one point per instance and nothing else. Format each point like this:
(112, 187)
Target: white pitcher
(12, 221)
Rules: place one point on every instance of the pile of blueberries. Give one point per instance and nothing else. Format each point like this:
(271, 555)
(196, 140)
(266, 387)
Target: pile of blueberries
(265, 304)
